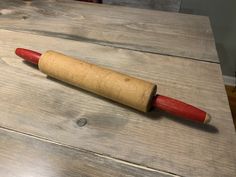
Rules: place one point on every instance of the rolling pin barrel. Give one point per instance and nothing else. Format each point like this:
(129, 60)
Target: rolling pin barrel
(113, 85)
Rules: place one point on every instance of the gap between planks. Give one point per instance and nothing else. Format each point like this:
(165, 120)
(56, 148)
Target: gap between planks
(44, 139)
(101, 43)
(154, 31)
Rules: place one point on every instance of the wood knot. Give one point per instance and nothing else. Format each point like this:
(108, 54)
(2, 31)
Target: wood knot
(81, 122)
(25, 17)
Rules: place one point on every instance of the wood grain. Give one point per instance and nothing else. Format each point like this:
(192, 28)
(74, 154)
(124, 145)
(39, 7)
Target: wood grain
(136, 29)
(165, 5)
(46, 108)
(22, 155)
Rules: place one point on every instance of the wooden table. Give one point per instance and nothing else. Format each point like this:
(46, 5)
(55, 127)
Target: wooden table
(41, 131)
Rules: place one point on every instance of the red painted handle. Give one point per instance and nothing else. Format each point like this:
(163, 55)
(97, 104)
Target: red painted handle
(28, 55)
(180, 109)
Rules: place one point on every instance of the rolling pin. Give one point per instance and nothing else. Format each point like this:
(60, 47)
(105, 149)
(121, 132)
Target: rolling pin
(130, 91)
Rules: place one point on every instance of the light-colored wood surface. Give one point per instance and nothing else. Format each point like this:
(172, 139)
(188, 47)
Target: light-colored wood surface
(22, 155)
(165, 5)
(46, 108)
(136, 29)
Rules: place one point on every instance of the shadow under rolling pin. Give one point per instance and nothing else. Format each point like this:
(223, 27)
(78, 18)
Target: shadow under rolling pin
(127, 90)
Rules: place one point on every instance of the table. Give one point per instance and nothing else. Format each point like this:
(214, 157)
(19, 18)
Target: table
(41, 134)
(164, 5)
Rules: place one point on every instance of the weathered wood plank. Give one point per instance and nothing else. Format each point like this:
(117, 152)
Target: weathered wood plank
(42, 107)
(22, 155)
(165, 5)
(136, 29)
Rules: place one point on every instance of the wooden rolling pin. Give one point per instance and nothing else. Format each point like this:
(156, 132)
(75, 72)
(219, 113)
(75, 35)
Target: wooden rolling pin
(127, 90)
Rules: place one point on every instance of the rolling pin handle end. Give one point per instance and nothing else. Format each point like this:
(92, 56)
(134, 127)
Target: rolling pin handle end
(181, 109)
(28, 55)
